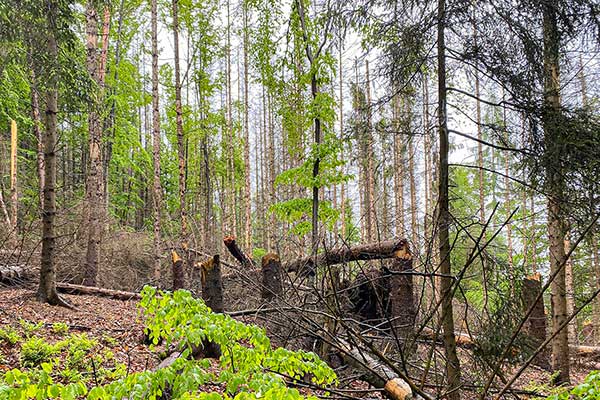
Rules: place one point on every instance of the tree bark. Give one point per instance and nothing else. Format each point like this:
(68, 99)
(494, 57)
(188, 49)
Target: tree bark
(536, 325)
(96, 291)
(156, 185)
(557, 227)
(344, 254)
(178, 272)
(14, 197)
(570, 290)
(402, 303)
(271, 276)
(247, 171)
(47, 286)
(237, 253)
(180, 143)
(447, 318)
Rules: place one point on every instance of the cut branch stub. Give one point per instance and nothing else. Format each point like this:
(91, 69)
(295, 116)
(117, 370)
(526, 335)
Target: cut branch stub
(178, 280)
(271, 276)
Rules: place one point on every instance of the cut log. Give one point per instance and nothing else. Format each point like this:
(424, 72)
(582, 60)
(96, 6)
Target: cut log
(96, 291)
(212, 294)
(237, 253)
(376, 373)
(271, 276)
(371, 251)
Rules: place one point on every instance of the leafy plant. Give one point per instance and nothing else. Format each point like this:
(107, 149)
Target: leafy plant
(36, 351)
(60, 328)
(30, 327)
(588, 390)
(10, 335)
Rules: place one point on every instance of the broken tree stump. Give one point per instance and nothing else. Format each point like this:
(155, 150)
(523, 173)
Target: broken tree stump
(401, 310)
(339, 255)
(212, 294)
(178, 273)
(237, 253)
(536, 325)
(271, 276)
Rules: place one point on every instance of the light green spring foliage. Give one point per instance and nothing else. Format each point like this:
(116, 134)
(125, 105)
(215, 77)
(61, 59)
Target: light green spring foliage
(250, 368)
(588, 390)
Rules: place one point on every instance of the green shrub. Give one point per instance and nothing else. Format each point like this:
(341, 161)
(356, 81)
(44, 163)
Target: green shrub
(588, 390)
(9, 335)
(60, 328)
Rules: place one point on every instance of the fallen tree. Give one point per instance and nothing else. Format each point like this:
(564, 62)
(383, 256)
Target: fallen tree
(237, 253)
(10, 273)
(70, 288)
(370, 251)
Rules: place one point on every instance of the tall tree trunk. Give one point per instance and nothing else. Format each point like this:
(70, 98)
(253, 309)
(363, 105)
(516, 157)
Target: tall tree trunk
(398, 165)
(372, 227)
(156, 186)
(37, 131)
(47, 287)
(230, 186)
(414, 225)
(507, 200)
(94, 183)
(14, 197)
(452, 362)
(180, 144)
(247, 171)
(557, 227)
(572, 327)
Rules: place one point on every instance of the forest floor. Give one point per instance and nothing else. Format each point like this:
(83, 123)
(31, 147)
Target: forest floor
(116, 327)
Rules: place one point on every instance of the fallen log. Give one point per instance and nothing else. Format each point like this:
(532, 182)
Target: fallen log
(376, 373)
(10, 273)
(70, 288)
(370, 251)
(237, 253)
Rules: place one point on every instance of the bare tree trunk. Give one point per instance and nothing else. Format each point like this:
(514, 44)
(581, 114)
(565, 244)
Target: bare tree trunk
(452, 362)
(37, 130)
(156, 186)
(230, 186)
(557, 227)
(372, 219)
(94, 183)
(572, 327)
(341, 111)
(180, 140)
(247, 189)
(47, 287)
(414, 225)
(398, 166)
(14, 197)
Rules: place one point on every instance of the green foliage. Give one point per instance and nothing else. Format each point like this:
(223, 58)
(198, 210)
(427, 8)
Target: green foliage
(9, 335)
(60, 328)
(588, 390)
(249, 367)
(36, 351)
(30, 327)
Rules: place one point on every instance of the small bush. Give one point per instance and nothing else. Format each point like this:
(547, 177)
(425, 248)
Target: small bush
(9, 335)
(60, 328)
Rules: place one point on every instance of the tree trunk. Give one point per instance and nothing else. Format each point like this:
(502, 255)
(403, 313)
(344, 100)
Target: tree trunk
(37, 130)
(271, 276)
(398, 165)
(237, 253)
(156, 186)
(536, 325)
(372, 225)
(178, 271)
(178, 282)
(94, 184)
(557, 228)
(47, 287)
(402, 303)
(447, 319)
(572, 327)
(14, 197)
(247, 188)
(212, 294)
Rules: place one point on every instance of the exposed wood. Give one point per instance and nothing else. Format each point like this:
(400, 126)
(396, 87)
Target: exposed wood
(376, 373)
(271, 276)
(96, 291)
(9, 273)
(178, 273)
(237, 253)
(339, 255)
(402, 309)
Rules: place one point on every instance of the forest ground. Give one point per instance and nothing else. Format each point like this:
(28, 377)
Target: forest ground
(117, 326)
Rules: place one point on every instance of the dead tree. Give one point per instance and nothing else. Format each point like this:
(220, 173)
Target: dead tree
(178, 275)
(536, 324)
(237, 253)
(401, 312)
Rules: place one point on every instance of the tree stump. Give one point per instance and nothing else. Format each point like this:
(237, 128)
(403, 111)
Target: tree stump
(212, 294)
(536, 325)
(401, 310)
(178, 273)
(271, 276)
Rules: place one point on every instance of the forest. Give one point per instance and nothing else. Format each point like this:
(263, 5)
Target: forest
(300, 199)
